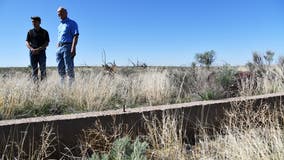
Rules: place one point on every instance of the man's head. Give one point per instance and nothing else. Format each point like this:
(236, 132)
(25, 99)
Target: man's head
(36, 21)
(62, 13)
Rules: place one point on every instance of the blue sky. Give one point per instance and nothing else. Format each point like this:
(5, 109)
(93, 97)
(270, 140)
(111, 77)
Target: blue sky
(158, 32)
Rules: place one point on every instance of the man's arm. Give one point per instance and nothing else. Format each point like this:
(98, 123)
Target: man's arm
(43, 46)
(28, 39)
(34, 51)
(74, 44)
(29, 46)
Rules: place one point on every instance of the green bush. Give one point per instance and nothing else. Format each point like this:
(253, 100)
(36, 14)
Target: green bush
(123, 149)
(225, 77)
(206, 58)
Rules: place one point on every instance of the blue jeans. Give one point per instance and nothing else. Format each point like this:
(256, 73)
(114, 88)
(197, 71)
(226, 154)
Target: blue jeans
(65, 63)
(41, 60)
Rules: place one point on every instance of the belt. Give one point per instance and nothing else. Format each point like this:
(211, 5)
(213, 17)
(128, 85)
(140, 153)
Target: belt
(64, 43)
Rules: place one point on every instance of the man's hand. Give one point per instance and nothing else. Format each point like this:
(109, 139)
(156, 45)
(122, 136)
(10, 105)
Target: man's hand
(35, 51)
(73, 47)
(73, 52)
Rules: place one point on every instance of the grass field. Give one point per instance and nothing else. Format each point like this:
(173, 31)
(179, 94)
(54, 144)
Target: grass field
(95, 90)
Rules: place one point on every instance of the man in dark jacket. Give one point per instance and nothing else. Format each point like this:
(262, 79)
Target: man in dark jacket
(37, 40)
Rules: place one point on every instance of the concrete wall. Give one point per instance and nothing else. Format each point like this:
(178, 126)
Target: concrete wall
(69, 128)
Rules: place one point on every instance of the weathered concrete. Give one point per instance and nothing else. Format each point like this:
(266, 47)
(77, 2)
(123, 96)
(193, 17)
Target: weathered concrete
(69, 127)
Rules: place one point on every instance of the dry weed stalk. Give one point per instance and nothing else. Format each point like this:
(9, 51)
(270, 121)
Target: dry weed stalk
(138, 64)
(109, 67)
(47, 147)
(166, 137)
(99, 139)
(15, 147)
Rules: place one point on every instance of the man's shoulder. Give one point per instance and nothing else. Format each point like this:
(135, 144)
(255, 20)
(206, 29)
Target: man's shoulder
(72, 21)
(31, 30)
(44, 30)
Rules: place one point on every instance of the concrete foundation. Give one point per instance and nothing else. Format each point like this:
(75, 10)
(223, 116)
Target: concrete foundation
(68, 128)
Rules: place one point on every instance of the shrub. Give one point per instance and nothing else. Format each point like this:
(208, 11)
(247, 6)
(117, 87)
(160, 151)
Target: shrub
(206, 58)
(124, 149)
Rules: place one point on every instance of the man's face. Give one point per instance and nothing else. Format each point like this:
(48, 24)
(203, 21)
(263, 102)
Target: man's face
(35, 23)
(62, 14)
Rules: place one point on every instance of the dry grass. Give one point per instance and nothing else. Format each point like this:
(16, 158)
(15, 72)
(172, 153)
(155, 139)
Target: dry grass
(21, 147)
(166, 137)
(96, 90)
(248, 133)
(92, 91)
(270, 81)
(100, 140)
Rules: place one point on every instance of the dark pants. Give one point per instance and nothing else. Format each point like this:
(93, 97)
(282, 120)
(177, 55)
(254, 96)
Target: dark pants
(41, 60)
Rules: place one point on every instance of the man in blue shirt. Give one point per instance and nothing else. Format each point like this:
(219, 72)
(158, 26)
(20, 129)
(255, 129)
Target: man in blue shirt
(68, 34)
(37, 40)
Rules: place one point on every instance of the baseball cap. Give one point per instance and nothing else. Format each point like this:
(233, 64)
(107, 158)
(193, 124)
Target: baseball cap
(36, 18)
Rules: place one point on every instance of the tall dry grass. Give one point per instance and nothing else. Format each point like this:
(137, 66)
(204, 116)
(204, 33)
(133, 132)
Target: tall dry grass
(92, 91)
(95, 90)
(250, 133)
(270, 82)
(166, 137)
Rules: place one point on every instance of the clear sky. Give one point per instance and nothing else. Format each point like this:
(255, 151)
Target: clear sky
(158, 32)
